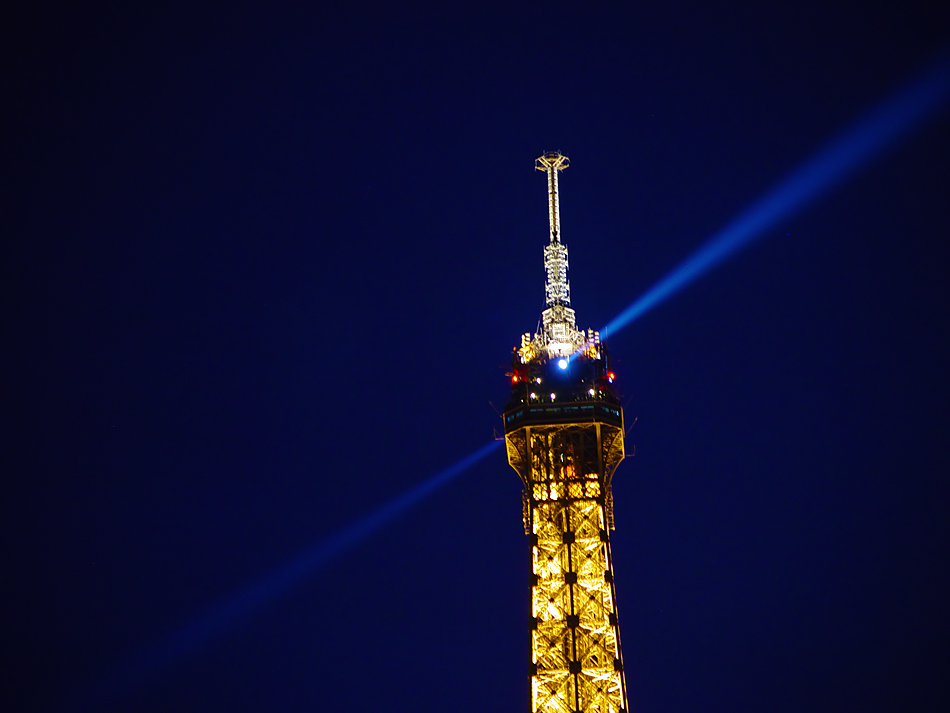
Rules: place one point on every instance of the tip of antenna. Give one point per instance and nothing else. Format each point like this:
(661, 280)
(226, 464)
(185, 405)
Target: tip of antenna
(552, 159)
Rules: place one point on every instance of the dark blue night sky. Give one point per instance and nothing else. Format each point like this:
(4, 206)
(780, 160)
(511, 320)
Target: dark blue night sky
(262, 273)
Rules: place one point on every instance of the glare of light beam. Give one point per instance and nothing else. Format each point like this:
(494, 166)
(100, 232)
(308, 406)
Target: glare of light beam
(881, 128)
(149, 662)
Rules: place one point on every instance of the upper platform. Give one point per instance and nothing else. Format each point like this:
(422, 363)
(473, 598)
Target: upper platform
(549, 414)
(579, 389)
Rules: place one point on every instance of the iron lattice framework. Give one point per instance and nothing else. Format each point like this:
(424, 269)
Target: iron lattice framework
(564, 436)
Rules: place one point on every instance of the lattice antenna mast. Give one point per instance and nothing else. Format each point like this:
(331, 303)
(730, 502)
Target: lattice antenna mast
(557, 289)
(559, 336)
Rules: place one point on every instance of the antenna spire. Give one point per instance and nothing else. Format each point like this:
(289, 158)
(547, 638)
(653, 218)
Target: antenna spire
(557, 290)
(552, 162)
(558, 336)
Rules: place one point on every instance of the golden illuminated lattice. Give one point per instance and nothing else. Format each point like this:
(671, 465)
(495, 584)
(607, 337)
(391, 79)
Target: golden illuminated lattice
(576, 663)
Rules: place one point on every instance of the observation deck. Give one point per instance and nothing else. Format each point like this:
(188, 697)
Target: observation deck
(532, 414)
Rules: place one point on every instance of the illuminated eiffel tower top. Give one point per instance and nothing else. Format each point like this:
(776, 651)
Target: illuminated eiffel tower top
(559, 335)
(564, 435)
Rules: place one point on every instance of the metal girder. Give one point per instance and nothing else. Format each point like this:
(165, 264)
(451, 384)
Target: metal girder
(576, 659)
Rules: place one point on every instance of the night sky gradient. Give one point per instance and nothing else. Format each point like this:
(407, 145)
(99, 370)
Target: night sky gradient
(262, 272)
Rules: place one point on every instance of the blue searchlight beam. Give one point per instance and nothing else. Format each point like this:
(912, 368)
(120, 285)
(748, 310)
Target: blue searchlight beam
(876, 132)
(147, 663)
